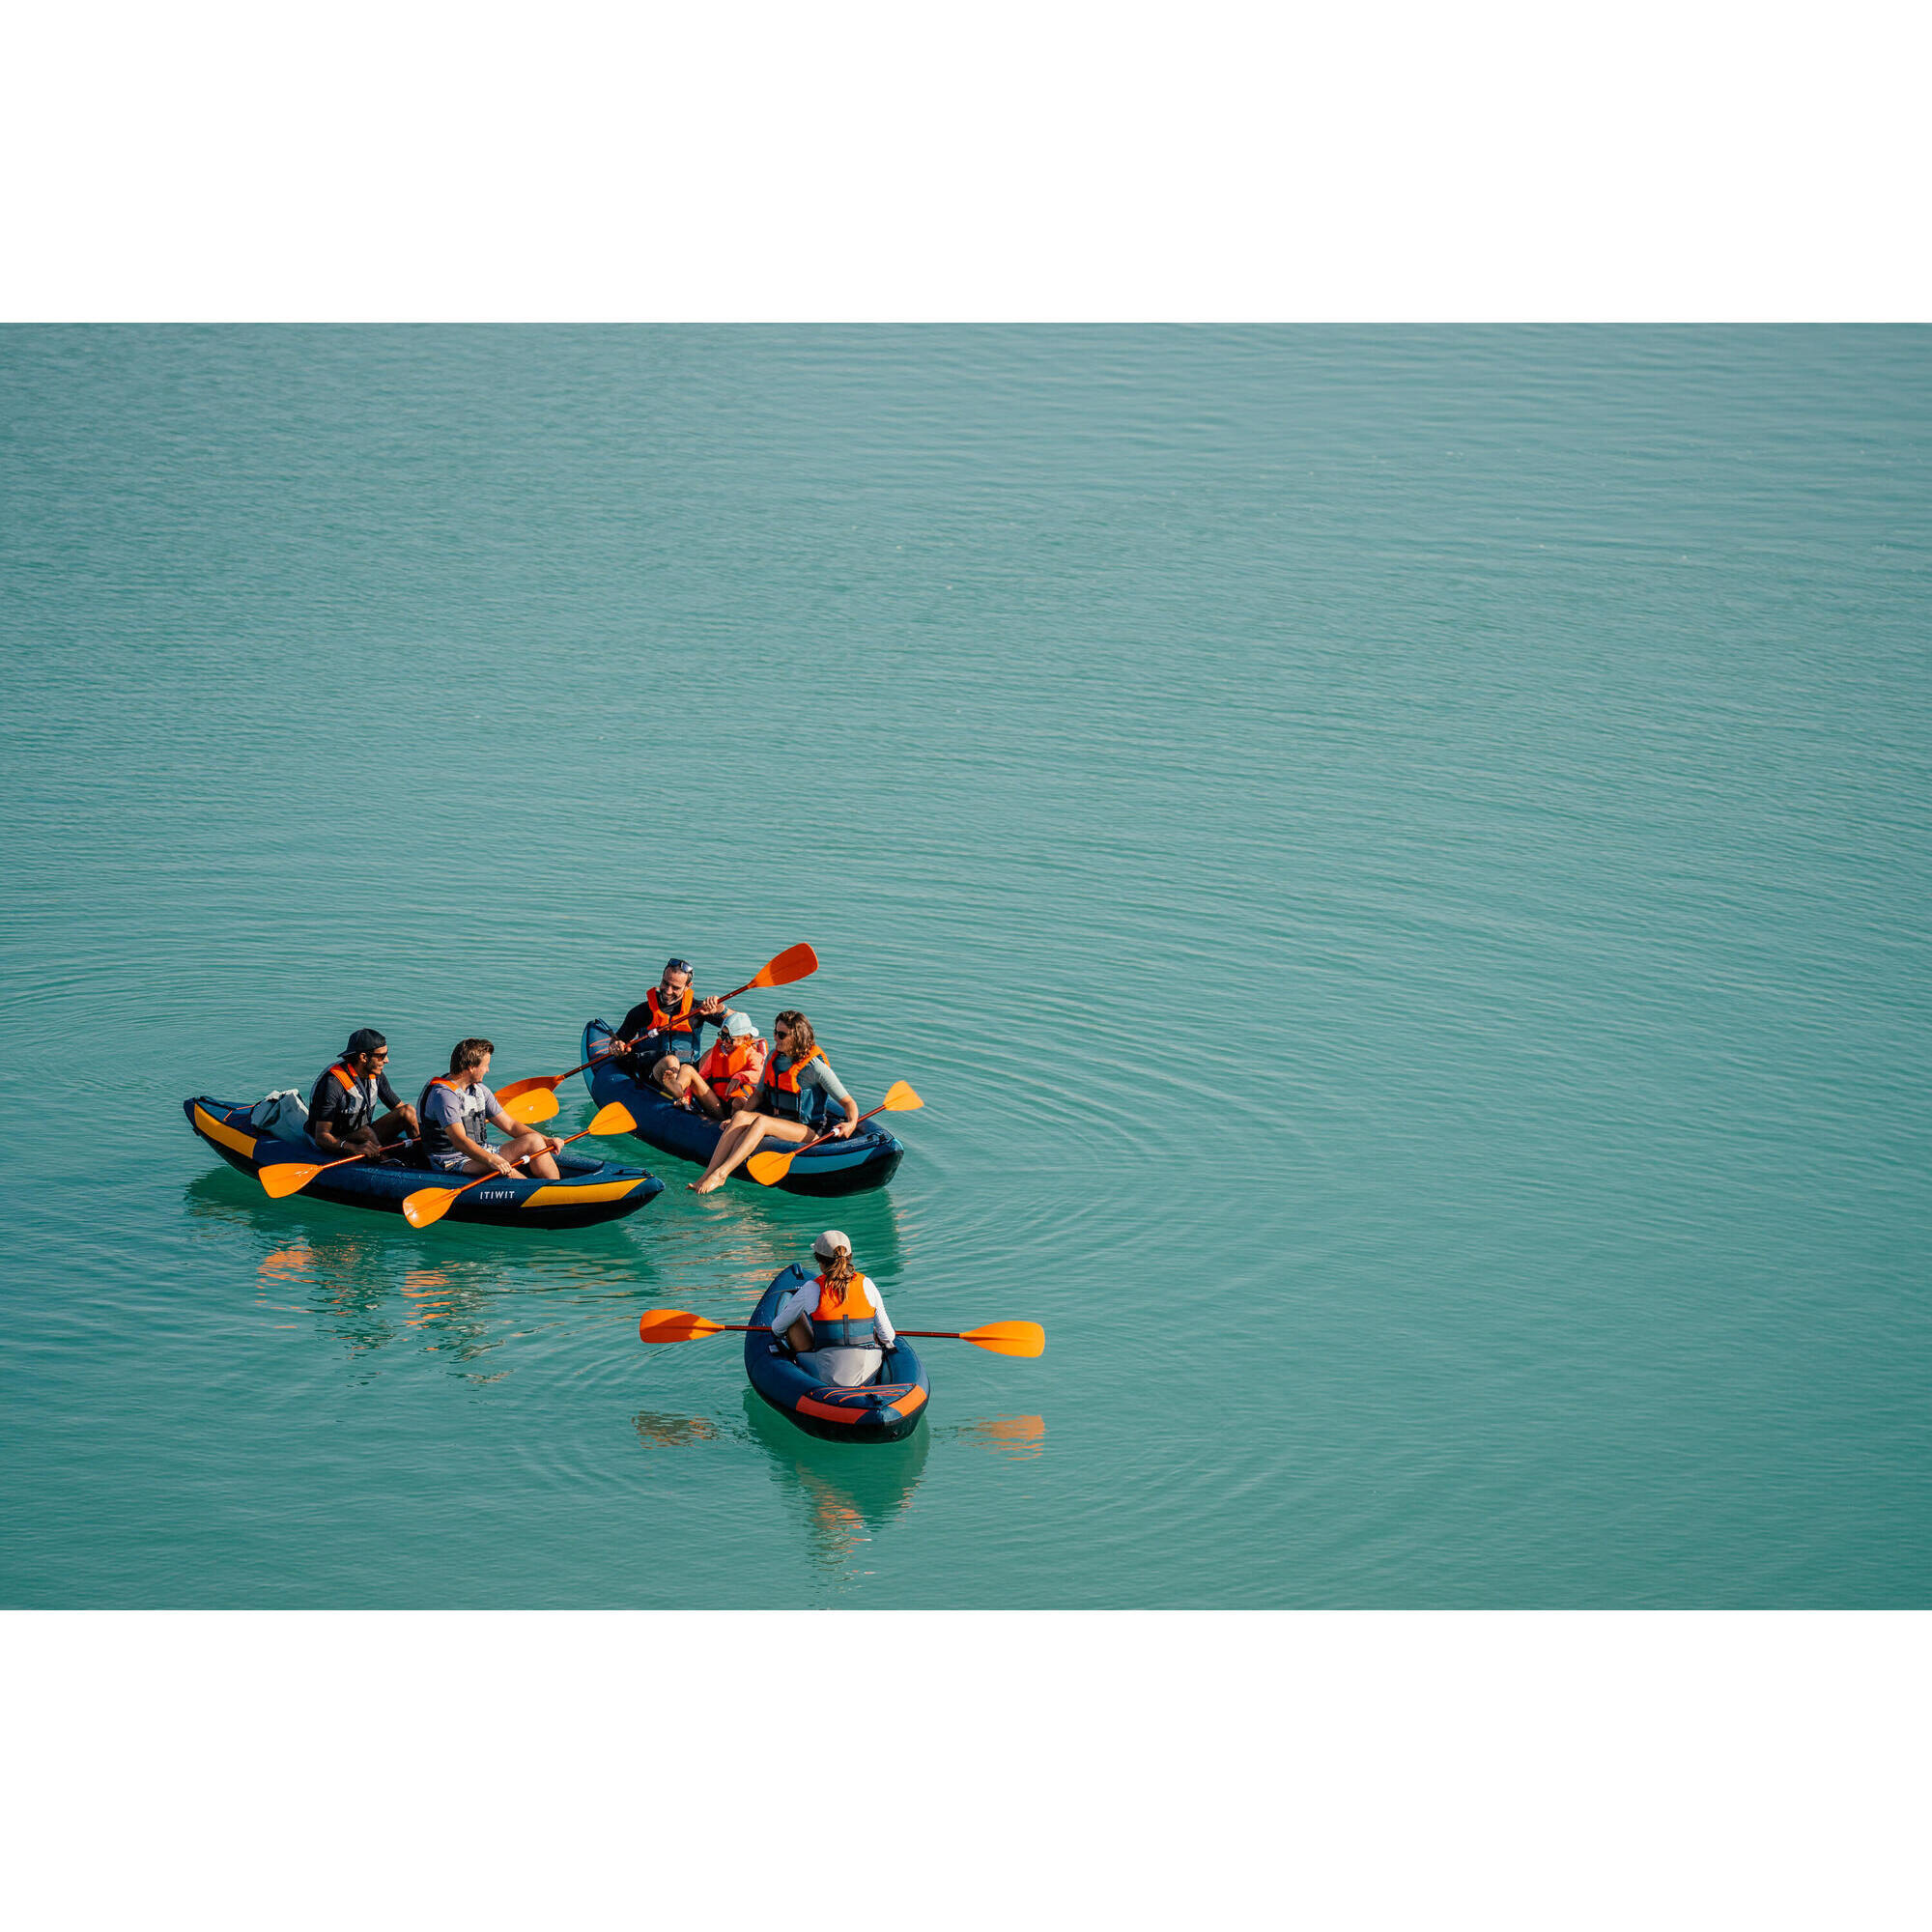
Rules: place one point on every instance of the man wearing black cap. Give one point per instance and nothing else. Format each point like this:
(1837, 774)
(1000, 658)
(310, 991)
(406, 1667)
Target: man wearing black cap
(342, 1107)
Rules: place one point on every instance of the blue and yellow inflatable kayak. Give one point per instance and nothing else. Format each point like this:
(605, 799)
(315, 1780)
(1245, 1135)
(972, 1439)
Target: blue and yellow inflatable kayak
(885, 1410)
(865, 1160)
(589, 1191)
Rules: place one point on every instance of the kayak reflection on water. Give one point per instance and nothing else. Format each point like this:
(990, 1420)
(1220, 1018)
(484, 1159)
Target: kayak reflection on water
(852, 1492)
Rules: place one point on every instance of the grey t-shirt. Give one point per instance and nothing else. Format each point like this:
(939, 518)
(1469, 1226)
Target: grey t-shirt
(469, 1110)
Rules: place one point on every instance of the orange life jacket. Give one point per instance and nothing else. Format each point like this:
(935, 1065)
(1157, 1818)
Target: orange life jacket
(361, 1098)
(781, 1083)
(662, 1021)
(732, 1073)
(843, 1320)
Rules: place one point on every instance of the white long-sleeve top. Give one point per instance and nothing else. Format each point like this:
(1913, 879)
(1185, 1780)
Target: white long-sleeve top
(803, 1300)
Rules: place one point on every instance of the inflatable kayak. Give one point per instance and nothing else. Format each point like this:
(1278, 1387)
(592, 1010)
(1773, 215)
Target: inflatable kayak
(885, 1410)
(865, 1159)
(589, 1191)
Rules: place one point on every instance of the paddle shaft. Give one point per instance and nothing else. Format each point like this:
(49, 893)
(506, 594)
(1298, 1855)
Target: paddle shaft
(805, 1146)
(764, 1328)
(368, 1153)
(615, 1045)
(492, 1175)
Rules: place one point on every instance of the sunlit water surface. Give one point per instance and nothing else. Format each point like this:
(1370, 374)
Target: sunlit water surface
(1396, 859)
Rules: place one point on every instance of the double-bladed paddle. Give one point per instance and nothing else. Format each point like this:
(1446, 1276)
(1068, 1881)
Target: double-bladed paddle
(283, 1177)
(795, 962)
(429, 1204)
(999, 1338)
(766, 1169)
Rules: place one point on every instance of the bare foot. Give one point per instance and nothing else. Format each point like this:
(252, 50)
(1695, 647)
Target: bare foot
(710, 1187)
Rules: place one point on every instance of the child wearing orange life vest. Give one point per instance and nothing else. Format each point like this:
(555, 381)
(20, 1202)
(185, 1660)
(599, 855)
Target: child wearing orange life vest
(838, 1322)
(727, 1076)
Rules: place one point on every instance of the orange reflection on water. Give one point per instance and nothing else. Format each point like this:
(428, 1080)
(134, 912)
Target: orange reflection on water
(424, 1286)
(672, 1432)
(838, 1527)
(287, 1264)
(1018, 1437)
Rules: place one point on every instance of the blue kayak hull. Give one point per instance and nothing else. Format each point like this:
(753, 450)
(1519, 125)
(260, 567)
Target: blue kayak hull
(589, 1191)
(886, 1410)
(867, 1159)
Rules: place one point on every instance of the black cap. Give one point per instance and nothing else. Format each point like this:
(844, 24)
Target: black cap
(365, 1039)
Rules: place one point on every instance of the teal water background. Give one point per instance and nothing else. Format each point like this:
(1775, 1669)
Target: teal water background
(1398, 860)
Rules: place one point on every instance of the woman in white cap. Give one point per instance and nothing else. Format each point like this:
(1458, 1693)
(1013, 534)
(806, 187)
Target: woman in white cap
(835, 1323)
(797, 1094)
(727, 1076)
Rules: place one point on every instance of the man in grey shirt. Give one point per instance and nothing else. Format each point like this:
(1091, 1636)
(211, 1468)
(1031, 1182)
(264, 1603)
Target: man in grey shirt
(454, 1108)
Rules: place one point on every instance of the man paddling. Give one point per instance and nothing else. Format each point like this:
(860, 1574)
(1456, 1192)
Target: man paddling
(342, 1105)
(663, 1027)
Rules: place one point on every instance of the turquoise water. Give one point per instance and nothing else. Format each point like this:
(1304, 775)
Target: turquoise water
(1397, 861)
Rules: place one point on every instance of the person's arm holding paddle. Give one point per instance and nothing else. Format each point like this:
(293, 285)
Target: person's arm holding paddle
(455, 1108)
(519, 1142)
(819, 1074)
(342, 1105)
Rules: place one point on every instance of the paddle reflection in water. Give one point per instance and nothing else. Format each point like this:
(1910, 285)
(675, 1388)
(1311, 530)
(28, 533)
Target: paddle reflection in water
(1016, 1438)
(850, 1492)
(672, 1432)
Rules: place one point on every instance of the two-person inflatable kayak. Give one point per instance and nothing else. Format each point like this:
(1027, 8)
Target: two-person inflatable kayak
(865, 1159)
(885, 1410)
(589, 1190)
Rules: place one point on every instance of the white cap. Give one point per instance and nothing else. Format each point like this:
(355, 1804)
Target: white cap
(830, 1242)
(741, 1026)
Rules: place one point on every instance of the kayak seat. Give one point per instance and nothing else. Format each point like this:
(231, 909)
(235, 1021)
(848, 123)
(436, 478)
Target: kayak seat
(842, 1368)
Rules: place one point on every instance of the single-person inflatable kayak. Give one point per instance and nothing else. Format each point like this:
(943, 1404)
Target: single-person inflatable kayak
(863, 1160)
(885, 1410)
(589, 1191)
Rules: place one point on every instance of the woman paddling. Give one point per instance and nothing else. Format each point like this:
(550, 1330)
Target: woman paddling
(836, 1325)
(797, 1091)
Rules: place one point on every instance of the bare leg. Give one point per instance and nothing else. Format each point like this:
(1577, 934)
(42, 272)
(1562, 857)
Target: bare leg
(686, 1083)
(740, 1139)
(544, 1165)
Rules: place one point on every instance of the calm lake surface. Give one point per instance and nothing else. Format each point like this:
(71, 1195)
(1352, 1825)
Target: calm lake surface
(1397, 861)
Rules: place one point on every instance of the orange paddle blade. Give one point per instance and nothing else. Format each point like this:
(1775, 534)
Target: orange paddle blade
(615, 1119)
(533, 1104)
(547, 1083)
(767, 1168)
(287, 1176)
(900, 1098)
(428, 1205)
(674, 1324)
(795, 962)
(1008, 1338)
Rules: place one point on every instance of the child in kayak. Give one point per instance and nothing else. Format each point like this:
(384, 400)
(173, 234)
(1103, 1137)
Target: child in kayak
(797, 1092)
(836, 1324)
(725, 1080)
